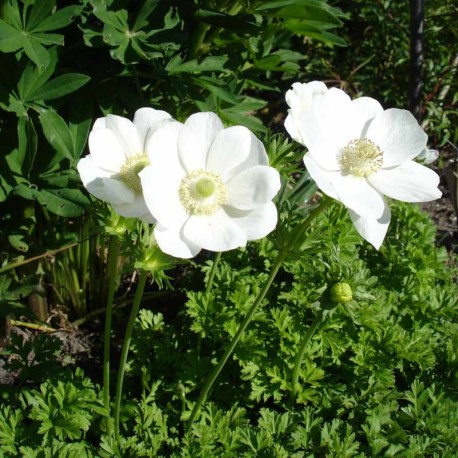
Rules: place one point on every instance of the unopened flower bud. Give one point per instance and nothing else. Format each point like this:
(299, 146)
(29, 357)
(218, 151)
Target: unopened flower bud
(341, 293)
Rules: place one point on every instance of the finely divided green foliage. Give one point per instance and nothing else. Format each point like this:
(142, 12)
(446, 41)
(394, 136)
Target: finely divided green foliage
(378, 378)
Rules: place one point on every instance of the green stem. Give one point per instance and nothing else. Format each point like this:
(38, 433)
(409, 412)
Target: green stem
(198, 39)
(125, 348)
(235, 339)
(113, 252)
(296, 234)
(211, 277)
(301, 352)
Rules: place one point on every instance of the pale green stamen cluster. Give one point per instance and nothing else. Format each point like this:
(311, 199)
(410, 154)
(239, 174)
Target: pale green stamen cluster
(202, 192)
(360, 158)
(130, 170)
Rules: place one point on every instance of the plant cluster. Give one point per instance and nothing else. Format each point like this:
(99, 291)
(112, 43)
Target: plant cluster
(296, 337)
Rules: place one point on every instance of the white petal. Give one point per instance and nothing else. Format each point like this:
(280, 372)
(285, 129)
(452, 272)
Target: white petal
(126, 133)
(371, 229)
(323, 178)
(162, 149)
(292, 127)
(255, 223)
(366, 108)
(217, 232)
(106, 151)
(253, 187)
(172, 242)
(357, 194)
(135, 209)
(230, 150)
(195, 139)
(99, 124)
(146, 119)
(302, 95)
(409, 182)
(398, 135)
(327, 127)
(161, 196)
(100, 184)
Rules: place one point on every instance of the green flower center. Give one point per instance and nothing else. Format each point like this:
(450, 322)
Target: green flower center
(202, 192)
(130, 170)
(360, 158)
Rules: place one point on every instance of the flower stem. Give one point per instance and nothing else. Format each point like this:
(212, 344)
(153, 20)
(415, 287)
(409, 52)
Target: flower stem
(296, 234)
(301, 352)
(235, 340)
(125, 348)
(211, 277)
(113, 251)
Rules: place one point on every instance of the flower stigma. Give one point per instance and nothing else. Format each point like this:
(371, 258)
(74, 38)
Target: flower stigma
(202, 192)
(360, 158)
(130, 170)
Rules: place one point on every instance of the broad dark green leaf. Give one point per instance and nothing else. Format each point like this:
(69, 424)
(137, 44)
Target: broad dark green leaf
(81, 113)
(60, 86)
(11, 39)
(242, 23)
(233, 118)
(63, 202)
(48, 39)
(273, 5)
(147, 8)
(215, 88)
(12, 15)
(25, 154)
(40, 11)
(36, 52)
(59, 19)
(57, 133)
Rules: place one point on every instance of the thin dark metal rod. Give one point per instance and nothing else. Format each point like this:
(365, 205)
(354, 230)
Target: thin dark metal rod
(417, 16)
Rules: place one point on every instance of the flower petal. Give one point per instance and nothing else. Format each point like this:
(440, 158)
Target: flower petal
(398, 135)
(327, 127)
(231, 149)
(100, 184)
(366, 108)
(409, 182)
(357, 194)
(161, 196)
(162, 149)
(323, 178)
(147, 119)
(106, 151)
(255, 223)
(300, 99)
(135, 209)
(195, 138)
(217, 232)
(253, 187)
(99, 124)
(172, 242)
(126, 133)
(371, 229)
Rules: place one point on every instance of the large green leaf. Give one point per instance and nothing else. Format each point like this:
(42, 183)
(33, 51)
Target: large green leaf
(40, 10)
(60, 86)
(11, 39)
(58, 134)
(63, 202)
(207, 64)
(36, 52)
(59, 19)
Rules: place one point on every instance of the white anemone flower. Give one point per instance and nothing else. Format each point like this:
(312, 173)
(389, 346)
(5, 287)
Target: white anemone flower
(300, 99)
(209, 187)
(359, 153)
(119, 150)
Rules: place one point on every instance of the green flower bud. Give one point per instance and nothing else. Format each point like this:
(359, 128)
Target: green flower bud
(341, 293)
